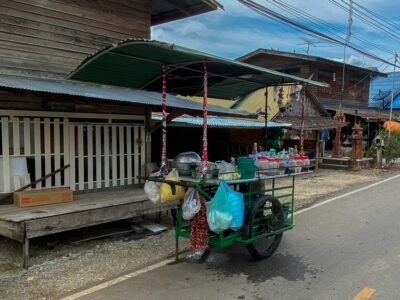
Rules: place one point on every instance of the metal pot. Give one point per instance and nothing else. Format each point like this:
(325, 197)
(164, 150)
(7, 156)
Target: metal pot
(187, 157)
(184, 162)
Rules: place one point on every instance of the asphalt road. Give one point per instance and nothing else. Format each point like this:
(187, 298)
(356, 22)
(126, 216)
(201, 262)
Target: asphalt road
(334, 252)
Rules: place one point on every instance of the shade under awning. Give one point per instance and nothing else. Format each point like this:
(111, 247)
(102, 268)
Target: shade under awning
(137, 63)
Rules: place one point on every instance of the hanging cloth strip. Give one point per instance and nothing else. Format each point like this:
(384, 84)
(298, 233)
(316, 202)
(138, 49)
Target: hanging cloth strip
(205, 142)
(164, 121)
(199, 231)
(303, 95)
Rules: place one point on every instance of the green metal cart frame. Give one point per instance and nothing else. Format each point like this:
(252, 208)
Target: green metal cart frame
(269, 211)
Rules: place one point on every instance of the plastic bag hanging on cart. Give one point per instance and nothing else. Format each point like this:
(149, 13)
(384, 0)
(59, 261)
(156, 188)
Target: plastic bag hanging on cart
(152, 189)
(226, 205)
(166, 192)
(191, 204)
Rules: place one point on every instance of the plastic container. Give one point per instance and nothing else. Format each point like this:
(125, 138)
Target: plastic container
(291, 165)
(282, 166)
(262, 163)
(246, 167)
(299, 164)
(306, 163)
(273, 167)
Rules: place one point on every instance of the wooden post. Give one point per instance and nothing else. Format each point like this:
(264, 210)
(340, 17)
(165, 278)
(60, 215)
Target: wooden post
(317, 145)
(266, 118)
(147, 141)
(25, 253)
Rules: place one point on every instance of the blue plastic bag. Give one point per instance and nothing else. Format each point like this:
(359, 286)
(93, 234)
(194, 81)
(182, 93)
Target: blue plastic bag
(226, 205)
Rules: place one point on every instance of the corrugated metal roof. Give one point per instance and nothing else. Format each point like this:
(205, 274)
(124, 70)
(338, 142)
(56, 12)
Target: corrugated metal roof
(108, 93)
(213, 121)
(380, 91)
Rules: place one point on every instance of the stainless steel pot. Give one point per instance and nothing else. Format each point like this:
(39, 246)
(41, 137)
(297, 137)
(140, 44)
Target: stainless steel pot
(184, 162)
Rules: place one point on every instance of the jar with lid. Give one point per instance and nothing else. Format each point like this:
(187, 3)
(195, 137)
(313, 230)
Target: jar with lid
(299, 164)
(273, 167)
(291, 165)
(306, 163)
(282, 165)
(262, 163)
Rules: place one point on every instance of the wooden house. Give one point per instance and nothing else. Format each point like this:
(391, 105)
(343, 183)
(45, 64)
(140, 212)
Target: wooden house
(73, 96)
(355, 85)
(48, 122)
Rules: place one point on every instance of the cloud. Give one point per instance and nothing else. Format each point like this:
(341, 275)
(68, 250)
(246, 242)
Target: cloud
(354, 60)
(238, 30)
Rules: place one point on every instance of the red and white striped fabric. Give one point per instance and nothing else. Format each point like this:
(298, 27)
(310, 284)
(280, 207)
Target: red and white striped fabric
(205, 141)
(164, 119)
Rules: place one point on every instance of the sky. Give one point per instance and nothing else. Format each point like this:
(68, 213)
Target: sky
(238, 30)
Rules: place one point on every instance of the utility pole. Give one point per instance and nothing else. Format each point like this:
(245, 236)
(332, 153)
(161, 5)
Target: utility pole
(348, 35)
(392, 97)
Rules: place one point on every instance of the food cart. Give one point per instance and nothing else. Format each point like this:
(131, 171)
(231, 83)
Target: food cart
(154, 65)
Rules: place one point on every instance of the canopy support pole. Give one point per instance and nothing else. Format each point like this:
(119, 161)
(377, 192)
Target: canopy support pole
(303, 95)
(164, 120)
(266, 117)
(205, 141)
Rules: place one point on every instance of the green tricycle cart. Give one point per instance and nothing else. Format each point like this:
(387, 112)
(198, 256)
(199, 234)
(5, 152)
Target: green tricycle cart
(269, 207)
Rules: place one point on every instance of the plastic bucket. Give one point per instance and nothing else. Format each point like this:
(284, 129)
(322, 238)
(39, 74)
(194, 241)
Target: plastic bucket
(246, 167)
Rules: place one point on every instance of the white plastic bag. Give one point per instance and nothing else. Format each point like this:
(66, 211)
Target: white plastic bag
(191, 204)
(152, 189)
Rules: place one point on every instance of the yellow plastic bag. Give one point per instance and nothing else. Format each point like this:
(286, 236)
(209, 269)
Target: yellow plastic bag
(166, 190)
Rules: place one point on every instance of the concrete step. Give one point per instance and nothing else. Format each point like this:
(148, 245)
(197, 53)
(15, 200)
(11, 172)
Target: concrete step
(335, 166)
(336, 161)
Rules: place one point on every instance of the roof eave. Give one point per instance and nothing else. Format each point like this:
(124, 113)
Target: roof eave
(311, 58)
(181, 12)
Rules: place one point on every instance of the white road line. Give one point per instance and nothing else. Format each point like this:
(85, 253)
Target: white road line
(170, 260)
(117, 280)
(346, 194)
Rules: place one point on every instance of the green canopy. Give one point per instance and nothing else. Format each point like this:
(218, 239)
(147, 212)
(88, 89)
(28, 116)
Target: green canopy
(138, 64)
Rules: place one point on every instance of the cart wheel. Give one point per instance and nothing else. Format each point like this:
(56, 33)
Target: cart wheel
(256, 224)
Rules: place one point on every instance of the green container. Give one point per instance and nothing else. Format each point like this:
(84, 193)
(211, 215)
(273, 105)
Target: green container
(246, 167)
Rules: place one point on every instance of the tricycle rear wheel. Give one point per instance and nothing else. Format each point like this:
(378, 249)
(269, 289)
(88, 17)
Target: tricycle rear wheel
(265, 215)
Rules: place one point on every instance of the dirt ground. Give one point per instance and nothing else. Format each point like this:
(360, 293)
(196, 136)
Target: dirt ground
(69, 266)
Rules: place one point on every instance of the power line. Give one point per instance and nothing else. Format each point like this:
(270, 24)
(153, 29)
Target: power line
(373, 23)
(376, 15)
(276, 16)
(303, 15)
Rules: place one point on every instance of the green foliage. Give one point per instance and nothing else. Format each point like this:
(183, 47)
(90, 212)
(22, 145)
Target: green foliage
(391, 150)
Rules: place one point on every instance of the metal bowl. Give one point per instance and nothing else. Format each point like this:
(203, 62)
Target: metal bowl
(187, 157)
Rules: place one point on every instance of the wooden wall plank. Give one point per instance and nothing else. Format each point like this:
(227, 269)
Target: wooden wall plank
(72, 160)
(102, 20)
(98, 156)
(89, 131)
(5, 141)
(66, 149)
(121, 155)
(38, 151)
(114, 155)
(57, 151)
(16, 136)
(81, 166)
(142, 152)
(68, 29)
(47, 151)
(34, 14)
(27, 136)
(135, 154)
(106, 156)
(129, 153)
